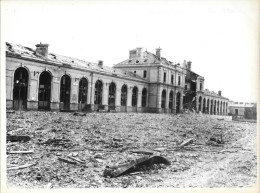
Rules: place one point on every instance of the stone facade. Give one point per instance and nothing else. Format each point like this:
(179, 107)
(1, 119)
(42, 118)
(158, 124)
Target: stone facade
(146, 82)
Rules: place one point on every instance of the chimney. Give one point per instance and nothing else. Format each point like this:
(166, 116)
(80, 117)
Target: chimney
(219, 92)
(158, 52)
(132, 54)
(139, 52)
(189, 65)
(42, 49)
(100, 63)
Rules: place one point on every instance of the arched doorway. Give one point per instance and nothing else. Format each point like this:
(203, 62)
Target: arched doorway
(123, 98)
(65, 92)
(200, 105)
(208, 110)
(220, 108)
(144, 97)
(134, 99)
(178, 102)
(44, 95)
(211, 107)
(171, 101)
(112, 96)
(20, 90)
(204, 106)
(163, 100)
(98, 93)
(83, 93)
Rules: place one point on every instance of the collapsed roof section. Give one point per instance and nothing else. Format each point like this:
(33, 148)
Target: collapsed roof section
(65, 61)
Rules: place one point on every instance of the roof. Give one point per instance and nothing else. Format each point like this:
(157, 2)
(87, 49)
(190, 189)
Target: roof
(241, 104)
(146, 59)
(29, 53)
(212, 93)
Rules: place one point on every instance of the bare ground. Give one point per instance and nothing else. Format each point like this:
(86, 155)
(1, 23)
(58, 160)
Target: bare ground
(106, 139)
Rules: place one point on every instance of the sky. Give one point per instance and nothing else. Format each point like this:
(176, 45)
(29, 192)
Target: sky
(220, 37)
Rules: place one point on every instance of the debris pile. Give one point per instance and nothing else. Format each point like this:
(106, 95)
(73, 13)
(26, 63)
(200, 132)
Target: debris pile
(61, 149)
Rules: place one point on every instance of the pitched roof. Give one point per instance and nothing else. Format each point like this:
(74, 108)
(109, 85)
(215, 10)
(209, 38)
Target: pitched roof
(146, 59)
(25, 52)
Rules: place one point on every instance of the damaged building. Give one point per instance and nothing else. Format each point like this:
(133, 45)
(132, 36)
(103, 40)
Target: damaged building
(144, 82)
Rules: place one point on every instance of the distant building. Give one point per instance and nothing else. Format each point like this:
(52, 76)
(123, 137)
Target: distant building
(243, 109)
(145, 82)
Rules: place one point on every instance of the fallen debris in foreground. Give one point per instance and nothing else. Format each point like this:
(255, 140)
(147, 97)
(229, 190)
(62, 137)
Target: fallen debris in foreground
(134, 165)
(15, 138)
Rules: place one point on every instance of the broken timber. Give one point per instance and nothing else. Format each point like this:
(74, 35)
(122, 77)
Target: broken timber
(21, 167)
(15, 138)
(134, 166)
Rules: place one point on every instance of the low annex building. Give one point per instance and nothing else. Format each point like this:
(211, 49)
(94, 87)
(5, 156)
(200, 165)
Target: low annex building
(243, 109)
(145, 82)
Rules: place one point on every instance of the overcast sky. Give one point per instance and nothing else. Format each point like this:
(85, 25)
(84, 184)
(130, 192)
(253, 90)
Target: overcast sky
(219, 37)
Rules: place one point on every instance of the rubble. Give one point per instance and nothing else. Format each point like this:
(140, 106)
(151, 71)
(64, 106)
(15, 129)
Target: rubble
(92, 142)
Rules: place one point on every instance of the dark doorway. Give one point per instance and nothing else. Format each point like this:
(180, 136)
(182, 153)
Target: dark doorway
(236, 111)
(112, 96)
(144, 97)
(83, 93)
(200, 103)
(171, 101)
(20, 89)
(65, 92)
(44, 95)
(98, 93)
(204, 106)
(123, 98)
(178, 102)
(134, 99)
(163, 101)
(211, 108)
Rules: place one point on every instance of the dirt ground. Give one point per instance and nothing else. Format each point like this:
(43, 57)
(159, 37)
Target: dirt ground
(107, 139)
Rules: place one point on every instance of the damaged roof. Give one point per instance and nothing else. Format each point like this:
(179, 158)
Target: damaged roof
(29, 53)
(212, 93)
(146, 59)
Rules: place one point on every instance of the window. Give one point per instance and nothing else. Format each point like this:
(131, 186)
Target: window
(144, 75)
(172, 78)
(200, 86)
(179, 80)
(134, 71)
(186, 87)
(164, 77)
(236, 111)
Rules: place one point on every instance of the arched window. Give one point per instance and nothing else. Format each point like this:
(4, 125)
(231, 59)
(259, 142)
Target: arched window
(171, 100)
(144, 97)
(163, 99)
(124, 95)
(83, 90)
(98, 93)
(44, 94)
(65, 92)
(112, 95)
(20, 90)
(134, 96)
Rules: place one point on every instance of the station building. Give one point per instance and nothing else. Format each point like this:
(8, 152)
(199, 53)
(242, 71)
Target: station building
(144, 82)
